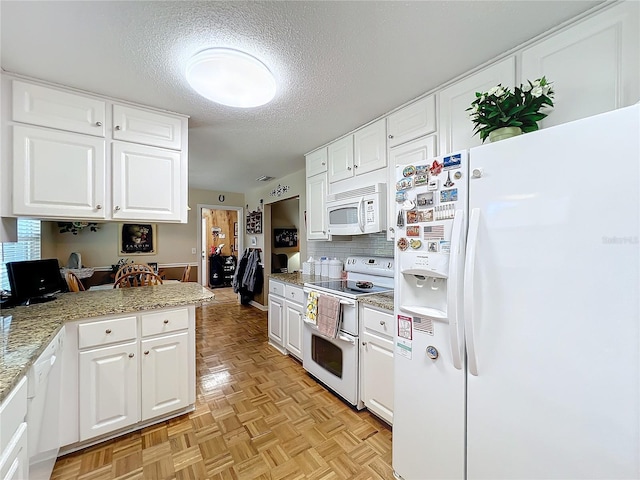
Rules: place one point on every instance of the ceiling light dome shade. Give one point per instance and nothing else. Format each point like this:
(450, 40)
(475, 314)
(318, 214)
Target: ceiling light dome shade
(231, 77)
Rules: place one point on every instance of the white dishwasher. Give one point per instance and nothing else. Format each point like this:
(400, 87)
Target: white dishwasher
(43, 417)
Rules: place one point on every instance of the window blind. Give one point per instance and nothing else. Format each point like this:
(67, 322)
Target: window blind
(26, 248)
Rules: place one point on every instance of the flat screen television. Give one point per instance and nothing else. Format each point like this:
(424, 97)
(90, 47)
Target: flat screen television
(34, 281)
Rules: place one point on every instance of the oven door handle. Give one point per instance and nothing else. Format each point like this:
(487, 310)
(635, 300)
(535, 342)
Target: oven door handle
(342, 301)
(344, 338)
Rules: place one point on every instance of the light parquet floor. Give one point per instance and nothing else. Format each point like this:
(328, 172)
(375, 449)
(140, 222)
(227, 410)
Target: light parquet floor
(258, 415)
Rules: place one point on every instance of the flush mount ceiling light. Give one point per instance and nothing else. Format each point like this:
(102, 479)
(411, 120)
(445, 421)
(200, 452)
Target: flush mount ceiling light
(231, 77)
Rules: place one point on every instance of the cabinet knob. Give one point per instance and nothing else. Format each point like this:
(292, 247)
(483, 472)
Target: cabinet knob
(324, 231)
(131, 355)
(146, 352)
(166, 321)
(118, 127)
(98, 207)
(364, 344)
(355, 166)
(324, 163)
(391, 229)
(382, 322)
(108, 330)
(98, 124)
(117, 208)
(348, 168)
(390, 136)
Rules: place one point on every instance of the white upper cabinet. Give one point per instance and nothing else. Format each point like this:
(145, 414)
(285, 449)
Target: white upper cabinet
(370, 148)
(49, 107)
(340, 155)
(317, 228)
(594, 65)
(149, 128)
(135, 168)
(316, 162)
(456, 129)
(58, 174)
(412, 121)
(57, 167)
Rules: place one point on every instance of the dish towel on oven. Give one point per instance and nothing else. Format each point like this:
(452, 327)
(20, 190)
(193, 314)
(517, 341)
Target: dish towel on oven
(328, 315)
(312, 308)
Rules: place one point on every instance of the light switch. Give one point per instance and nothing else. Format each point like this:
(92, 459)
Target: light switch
(193, 251)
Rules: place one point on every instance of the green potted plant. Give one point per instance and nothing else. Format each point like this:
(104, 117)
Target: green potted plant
(518, 112)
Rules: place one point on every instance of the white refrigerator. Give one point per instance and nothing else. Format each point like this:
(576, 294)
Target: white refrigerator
(517, 351)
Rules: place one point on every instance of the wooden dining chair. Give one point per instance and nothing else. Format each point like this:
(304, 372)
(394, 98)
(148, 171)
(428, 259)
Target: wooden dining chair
(73, 282)
(185, 274)
(129, 270)
(142, 279)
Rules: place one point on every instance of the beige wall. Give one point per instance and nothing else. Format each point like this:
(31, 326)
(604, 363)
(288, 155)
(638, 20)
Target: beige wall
(100, 249)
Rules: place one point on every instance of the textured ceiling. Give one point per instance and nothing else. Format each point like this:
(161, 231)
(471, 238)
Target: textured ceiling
(338, 64)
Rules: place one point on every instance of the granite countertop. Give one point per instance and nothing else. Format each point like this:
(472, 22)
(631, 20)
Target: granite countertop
(26, 331)
(380, 300)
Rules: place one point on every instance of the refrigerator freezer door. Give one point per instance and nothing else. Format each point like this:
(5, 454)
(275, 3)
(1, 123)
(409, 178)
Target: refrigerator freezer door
(556, 303)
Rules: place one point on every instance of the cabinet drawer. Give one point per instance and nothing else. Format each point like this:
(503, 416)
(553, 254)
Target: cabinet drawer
(163, 322)
(12, 412)
(106, 332)
(276, 288)
(150, 128)
(377, 321)
(53, 108)
(295, 294)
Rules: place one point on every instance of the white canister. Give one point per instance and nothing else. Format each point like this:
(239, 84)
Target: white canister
(325, 268)
(317, 270)
(308, 267)
(335, 268)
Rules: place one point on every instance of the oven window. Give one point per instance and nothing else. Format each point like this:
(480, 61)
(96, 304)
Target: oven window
(344, 216)
(327, 355)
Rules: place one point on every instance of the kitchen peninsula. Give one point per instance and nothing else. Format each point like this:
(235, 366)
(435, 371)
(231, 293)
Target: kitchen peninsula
(134, 345)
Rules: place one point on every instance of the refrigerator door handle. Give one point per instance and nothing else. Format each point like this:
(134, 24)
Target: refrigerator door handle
(469, 295)
(453, 289)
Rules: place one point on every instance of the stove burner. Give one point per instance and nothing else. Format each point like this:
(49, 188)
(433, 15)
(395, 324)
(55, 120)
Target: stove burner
(364, 284)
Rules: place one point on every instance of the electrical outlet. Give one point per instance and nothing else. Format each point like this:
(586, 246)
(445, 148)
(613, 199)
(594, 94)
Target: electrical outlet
(193, 251)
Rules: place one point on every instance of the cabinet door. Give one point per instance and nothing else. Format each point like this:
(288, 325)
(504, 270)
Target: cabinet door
(150, 128)
(413, 121)
(293, 321)
(340, 158)
(377, 375)
(53, 108)
(370, 148)
(147, 183)
(456, 129)
(14, 462)
(316, 207)
(58, 174)
(164, 374)
(109, 392)
(593, 65)
(276, 320)
(412, 153)
(316, 162)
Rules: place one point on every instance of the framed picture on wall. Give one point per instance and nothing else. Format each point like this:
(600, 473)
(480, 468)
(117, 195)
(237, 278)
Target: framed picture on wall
(285, 237)
(137, 238)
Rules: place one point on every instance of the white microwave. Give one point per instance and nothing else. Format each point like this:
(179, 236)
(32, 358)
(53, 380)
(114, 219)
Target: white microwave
(357, 212)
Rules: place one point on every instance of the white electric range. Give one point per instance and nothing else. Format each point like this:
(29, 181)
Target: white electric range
(335, 361)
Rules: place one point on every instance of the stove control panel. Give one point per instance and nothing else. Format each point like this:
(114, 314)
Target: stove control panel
(382, 266)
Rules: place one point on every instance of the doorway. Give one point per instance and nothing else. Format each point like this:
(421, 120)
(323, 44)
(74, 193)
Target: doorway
(220, 234)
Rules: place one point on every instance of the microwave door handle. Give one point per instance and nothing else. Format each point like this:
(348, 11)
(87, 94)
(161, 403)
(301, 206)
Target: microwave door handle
(360, 214)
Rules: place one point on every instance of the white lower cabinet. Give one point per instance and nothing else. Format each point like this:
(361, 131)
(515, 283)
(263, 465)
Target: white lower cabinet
(121, 372)
(276, 321)
(376, 366)
(14, 456)
(286, 311)
(164, 374)
(108, 389)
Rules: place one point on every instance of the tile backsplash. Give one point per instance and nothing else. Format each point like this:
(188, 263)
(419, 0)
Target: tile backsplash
(374, 244)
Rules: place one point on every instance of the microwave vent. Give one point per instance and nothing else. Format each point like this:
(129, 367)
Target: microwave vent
(358, 192)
